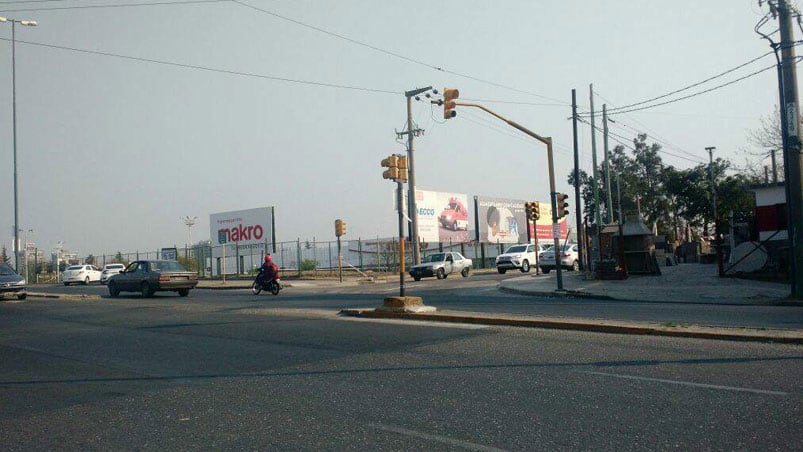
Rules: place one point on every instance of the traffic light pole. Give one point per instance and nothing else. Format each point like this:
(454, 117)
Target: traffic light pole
(412, 211)
(548, 142)
(400, 208)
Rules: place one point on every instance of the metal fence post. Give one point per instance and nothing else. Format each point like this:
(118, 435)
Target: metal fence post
(359, 250)
(298, 255)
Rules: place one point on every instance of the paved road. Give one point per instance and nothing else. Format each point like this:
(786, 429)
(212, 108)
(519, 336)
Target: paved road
(230, 370)
(478, 293)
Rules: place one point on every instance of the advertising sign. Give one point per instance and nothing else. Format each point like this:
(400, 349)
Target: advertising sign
(544, 227)
(169, 254)
(501, 220)
(243, 228)
(442, 216)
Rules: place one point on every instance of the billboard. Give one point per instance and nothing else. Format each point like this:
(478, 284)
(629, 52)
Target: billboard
(544, 224)
(500, 220)
(442, 216)
(252, 227)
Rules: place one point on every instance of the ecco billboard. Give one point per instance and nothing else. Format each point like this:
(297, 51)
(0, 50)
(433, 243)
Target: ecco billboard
(442, 216)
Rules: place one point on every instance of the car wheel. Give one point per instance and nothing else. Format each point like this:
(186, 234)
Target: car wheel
(501, 270)
(465, 272)
(183, 292)
(113, 289)
(546, 270)
(417, 278)
(146, 290)
(86, 281)
(22, 296)
(441, 274)
(525, 266)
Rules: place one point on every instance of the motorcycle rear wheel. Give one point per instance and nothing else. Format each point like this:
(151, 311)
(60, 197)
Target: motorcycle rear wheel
(274, 288)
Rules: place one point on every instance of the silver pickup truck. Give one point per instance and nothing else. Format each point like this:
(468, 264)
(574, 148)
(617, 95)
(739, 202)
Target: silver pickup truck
(441, 265)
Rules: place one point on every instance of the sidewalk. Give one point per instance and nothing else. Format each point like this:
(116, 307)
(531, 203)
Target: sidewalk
(684, 283)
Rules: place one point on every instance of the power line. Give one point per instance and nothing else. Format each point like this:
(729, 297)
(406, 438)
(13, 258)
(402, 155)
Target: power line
(393, 54)
(121, 5)
(693, 85)
(209, 69)
(654, 137)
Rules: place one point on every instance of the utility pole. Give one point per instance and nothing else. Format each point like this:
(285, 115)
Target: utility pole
(609, 203)
(774, 167)
(792, 157)
(717, 243)
(411, 208)
(578, 214)
(594, 181)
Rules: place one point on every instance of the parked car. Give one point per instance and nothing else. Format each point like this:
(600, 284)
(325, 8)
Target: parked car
(150, 276)
(454, 215)
(11, 282)
(517, 257)
(441, 265)
(110, 270)
(569, 258)
(81, 274)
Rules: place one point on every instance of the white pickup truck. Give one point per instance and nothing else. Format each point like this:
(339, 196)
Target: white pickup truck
(517, 256)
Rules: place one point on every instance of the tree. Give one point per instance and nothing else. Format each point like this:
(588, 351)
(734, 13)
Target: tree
(767, 136)
(90, 259)
(4, 256)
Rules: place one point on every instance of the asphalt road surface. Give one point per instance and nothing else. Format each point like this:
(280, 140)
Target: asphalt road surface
(479, 293)
(229, 370)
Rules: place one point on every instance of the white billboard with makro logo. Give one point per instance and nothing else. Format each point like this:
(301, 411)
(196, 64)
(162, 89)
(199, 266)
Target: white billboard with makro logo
(241, 228)
(442, 216)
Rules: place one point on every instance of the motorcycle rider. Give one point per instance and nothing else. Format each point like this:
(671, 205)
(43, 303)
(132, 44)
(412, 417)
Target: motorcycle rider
(268, 270)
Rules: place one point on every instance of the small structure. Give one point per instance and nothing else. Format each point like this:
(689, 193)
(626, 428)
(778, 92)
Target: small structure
(639, 247)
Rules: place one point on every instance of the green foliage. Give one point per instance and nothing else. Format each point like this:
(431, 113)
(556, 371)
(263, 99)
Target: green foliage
(4, 255)
(90, 260)
(309, 264)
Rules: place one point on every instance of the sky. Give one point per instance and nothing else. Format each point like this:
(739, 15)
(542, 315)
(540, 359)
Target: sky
(113, 152)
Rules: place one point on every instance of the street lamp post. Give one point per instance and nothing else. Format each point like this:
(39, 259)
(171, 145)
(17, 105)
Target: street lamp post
(190, 222)
(27, 23)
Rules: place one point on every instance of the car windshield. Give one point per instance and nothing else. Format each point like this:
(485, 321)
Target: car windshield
(166, 266)
(6, 270)
(438, 257)
(517, 249)
(114, 266)
(75, 267)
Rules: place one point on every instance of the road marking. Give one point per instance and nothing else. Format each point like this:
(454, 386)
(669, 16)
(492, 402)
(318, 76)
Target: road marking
(405, 322)
(686, 383)
(438, 438)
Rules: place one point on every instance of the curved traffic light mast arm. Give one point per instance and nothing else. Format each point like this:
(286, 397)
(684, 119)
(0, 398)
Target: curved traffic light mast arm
(548, 142)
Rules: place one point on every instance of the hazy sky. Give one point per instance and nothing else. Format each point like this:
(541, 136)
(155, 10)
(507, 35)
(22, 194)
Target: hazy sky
(113, 152)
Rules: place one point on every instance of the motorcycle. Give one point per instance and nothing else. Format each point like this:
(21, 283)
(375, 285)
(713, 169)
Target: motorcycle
(274, 285)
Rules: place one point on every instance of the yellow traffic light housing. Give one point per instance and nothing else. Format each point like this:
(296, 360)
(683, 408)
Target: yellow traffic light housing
(536, 211)
(340, 227)
(449, 95)
(396, 168)
(561, 204)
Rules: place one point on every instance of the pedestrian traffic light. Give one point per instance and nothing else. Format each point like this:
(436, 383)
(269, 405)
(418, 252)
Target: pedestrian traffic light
(449, 95)
(340, 227)
(561, 204)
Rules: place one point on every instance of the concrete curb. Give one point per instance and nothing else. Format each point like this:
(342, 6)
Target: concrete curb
(699, 332)
(555, 293)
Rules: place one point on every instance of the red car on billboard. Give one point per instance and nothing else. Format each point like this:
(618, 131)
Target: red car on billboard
(454, 216)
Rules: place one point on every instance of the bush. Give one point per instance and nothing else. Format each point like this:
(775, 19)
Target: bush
(309, 264)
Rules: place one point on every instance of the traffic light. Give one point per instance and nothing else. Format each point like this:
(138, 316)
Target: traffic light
(561, 204)
(529, 210)
(396, 168)
(536, 211)
(340, 227)
(392, 165)
(402, 169)
(449, 95)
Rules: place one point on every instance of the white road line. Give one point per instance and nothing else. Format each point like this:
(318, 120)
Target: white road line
(438, 438)
(687, 383)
